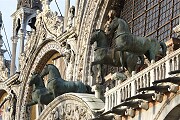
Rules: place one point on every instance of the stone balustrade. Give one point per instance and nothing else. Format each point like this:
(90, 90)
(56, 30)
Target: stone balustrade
(144, 78)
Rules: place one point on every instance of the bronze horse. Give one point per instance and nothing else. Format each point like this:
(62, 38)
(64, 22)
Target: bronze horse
(40, 93)
(126, 41)
(58, 86)
(105, 55)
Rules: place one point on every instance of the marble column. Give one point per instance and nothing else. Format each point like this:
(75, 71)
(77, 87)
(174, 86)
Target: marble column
(13, 60)
(22, 37)
(67, 6)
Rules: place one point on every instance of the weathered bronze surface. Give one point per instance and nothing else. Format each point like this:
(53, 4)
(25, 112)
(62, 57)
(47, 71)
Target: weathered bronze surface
(58, 86)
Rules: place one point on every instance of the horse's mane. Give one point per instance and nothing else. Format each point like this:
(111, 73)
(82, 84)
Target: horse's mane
(99, 30)
(54, 67)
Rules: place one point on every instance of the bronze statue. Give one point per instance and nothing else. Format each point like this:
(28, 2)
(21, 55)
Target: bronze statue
(126, 41)
(40, 93)
(58, 86)
(104, 55)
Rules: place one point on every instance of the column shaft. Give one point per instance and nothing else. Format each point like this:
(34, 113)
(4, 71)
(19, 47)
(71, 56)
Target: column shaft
(67, 6)
(13, 60)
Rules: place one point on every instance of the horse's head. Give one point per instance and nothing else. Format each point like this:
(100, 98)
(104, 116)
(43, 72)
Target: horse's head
(97, 35)
(45, 71)
(33, 79)
(94, 36)
(36, 80)
(118, 26)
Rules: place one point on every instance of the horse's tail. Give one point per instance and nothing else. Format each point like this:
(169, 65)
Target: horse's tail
(164, 48)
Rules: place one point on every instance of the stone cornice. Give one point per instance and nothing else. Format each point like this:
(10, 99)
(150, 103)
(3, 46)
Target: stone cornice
(12, 79)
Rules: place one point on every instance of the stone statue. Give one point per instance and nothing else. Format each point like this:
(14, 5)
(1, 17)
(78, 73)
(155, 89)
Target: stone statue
(40, 94)
(12, 108)
(69, 56)
(105, 55)
(68, 53)
(126, 41)
(58, 86)
(71, 16)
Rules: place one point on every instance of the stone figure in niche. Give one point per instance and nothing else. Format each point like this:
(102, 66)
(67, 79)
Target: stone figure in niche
(40, 94)
(58, 86)
(12, 108)
(105, 55)
(71, 16)
(126, 41)
(55, 114)
(12, 98)
(69, 56)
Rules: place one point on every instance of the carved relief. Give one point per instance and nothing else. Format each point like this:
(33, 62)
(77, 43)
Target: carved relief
(53, 22)
(72, 106)
(69, 111)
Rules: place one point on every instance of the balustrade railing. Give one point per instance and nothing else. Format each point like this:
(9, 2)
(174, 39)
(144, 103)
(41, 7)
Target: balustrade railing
(144, 78)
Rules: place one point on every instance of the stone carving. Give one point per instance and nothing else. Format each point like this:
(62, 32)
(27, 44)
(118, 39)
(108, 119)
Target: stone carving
(12, 108)
(126, 41)
(58, 86)
(69, 56)
(40, 94)
(105, 55)
(12, 98)
(71, 16)
(53, 22)
(70, 111)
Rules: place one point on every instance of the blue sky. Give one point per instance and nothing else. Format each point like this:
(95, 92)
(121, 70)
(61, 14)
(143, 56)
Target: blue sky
(8, 7)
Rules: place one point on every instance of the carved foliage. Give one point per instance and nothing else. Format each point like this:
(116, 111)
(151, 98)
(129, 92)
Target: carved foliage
(70, 111)
(53, 22)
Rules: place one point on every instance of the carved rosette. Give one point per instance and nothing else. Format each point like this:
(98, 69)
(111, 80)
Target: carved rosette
(72, 106)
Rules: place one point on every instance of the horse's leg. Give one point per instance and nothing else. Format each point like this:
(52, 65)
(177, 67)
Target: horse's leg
(102, 74)
(55, 94)
(152, 57)
(114, 53)
(92, 64)
(164, 48)
(30, 104)
(122, 61)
